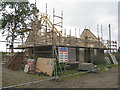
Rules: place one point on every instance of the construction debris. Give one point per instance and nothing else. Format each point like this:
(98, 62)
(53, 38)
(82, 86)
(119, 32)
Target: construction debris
(30, 66)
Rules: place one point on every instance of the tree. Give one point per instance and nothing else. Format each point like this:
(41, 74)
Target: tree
(16, 15)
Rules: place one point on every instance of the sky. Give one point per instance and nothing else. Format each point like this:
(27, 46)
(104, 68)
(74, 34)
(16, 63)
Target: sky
(80, 13)
(119, 25)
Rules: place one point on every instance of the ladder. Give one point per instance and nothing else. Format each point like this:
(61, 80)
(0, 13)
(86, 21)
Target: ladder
(113, 58)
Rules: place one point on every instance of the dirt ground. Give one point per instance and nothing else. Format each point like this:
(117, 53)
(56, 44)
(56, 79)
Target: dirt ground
(10, 77)
(0, 76)
(102, 79)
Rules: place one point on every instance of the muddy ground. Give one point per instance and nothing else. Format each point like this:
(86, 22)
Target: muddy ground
(102, 79)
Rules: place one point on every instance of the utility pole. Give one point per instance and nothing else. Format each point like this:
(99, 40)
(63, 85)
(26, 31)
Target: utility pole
(109, 37)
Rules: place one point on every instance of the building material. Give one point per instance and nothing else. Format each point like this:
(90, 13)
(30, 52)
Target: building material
(31, 64)
(86, 66)
(42, 51)
(24, 30)
(45, 65)
(26, 69)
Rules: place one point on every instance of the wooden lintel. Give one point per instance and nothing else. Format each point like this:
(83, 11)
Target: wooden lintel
(24, 30)
(42, 51)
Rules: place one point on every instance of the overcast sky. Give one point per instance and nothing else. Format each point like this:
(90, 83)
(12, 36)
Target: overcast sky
(80, 13)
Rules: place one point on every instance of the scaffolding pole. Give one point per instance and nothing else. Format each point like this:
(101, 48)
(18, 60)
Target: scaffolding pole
(109, 37)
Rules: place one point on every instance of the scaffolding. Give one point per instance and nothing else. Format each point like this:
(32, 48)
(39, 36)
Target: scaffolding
(45, 34)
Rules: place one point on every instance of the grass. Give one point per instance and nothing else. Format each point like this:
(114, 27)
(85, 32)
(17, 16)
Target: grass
(67, 72)
(104, 67)
(99, 67)
(113, 65)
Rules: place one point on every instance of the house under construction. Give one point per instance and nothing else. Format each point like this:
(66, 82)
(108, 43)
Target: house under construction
(46, 41)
